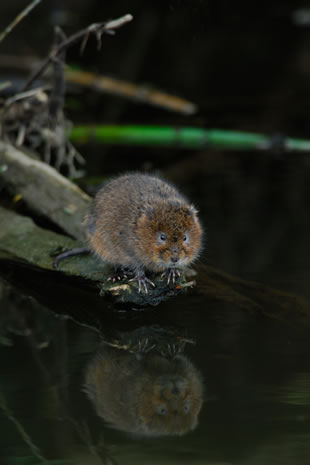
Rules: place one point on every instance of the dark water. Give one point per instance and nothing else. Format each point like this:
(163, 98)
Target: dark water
(254, 371)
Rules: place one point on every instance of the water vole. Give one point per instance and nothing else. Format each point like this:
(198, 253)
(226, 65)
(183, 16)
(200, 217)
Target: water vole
(141, 222)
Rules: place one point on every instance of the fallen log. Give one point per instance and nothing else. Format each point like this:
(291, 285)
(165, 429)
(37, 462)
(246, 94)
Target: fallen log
(45, 191)
(22, 242)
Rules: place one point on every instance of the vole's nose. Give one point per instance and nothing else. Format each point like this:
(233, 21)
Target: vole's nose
(174, 259)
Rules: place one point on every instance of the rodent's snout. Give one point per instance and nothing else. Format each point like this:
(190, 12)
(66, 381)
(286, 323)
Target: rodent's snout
(174, 258)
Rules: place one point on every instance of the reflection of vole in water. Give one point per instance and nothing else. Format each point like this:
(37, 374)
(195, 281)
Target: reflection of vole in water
(150, 396)
(142, 223)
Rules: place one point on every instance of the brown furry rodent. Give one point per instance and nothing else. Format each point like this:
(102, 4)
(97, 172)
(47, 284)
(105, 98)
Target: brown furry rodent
(149, 396)
(141, 222)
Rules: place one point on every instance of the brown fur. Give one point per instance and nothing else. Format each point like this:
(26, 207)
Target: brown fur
(127, 217)
(151, 396)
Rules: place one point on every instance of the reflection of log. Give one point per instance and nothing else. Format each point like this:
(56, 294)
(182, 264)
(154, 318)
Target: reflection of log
(22, 242)
(43, 189)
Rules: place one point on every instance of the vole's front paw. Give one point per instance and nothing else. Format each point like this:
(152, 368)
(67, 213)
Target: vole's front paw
(172, 274)
(119, 275)
(142, 281)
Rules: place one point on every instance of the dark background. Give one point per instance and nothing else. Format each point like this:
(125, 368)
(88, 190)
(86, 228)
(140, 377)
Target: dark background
(246, 64)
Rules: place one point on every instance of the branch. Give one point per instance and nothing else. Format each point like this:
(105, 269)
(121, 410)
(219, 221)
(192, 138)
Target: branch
(18, 18)
(137, 93)
(97, 29)
(56, 100)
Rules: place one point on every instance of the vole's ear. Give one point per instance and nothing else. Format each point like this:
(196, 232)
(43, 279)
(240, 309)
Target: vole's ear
(192, 211)
(149, 212)
(143, 221)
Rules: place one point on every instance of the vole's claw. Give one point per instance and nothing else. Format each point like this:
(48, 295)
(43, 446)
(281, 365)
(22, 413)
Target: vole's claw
(144, 285)
(118, 275)
(172, 273)
(142, 281)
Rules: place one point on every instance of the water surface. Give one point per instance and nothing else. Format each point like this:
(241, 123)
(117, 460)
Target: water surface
(254, 370)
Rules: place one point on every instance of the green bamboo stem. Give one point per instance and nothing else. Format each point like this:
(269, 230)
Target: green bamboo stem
(187, 138)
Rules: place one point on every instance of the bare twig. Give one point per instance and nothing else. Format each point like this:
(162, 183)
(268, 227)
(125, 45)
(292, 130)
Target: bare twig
(117, 23)
(97, 29)
(56, 100)
(28, 94)
(36, 120)
(188, 284)
(18, 18)
(4, 85)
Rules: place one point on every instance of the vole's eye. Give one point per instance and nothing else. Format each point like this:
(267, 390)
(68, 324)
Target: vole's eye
(162, 237)
(186, 407)
(185, 238)
(161, 409)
